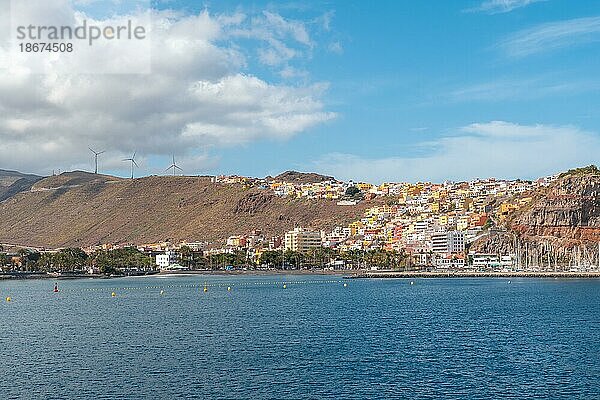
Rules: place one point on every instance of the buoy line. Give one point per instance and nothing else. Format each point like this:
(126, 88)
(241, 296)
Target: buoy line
(204, 287)
(228, 286)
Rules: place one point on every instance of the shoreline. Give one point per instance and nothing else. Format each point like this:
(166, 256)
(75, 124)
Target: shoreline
(344, 274)
(261, 272)
(466, 274)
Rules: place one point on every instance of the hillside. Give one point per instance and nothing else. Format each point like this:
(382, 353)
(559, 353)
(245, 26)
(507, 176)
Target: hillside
(13, 182)
(564, 215)
(303, 177)
(81, 209)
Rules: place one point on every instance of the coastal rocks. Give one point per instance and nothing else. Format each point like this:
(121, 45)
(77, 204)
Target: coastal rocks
(496, 242)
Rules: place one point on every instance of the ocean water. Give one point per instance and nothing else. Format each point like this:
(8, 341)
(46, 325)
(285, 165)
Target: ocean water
(436, 338)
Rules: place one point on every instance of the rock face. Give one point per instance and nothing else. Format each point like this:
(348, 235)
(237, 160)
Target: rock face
(253, 203)
(570, 209)
(564, 215)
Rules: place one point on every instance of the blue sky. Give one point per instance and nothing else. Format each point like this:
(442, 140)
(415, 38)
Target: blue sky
(413, 72)
(403, 90)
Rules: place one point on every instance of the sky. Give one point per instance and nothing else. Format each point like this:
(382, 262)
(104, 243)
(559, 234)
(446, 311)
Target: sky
(373, 91)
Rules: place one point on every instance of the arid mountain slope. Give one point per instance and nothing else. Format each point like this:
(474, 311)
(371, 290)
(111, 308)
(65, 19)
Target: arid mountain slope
(13, 182)
(81, 209)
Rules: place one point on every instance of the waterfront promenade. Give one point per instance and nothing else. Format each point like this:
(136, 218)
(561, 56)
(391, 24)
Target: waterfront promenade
(474, 274)
(346, 274)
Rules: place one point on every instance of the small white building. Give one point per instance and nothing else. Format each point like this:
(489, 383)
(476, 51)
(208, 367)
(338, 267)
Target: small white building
(486, 261)
(449, 262)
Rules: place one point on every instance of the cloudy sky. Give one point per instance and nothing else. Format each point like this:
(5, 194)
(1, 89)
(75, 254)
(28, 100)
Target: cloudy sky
(377, 91)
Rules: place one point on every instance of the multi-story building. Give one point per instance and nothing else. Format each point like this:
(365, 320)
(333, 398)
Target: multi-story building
(165, 260)
(451, 242)
(302, 240)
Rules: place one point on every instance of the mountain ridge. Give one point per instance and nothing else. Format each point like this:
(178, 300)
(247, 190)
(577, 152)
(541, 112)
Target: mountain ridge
(81, 209)
(13, 182)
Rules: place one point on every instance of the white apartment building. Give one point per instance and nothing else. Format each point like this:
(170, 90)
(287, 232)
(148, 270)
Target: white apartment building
(166, 259)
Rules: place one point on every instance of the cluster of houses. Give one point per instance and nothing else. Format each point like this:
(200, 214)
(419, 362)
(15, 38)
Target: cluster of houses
(434, 223)
(326, 190)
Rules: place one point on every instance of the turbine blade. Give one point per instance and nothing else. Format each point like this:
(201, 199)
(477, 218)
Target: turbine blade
(135, 163)
(177, 167)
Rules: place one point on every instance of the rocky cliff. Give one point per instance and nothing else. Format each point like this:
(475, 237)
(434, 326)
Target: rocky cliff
(563, 215)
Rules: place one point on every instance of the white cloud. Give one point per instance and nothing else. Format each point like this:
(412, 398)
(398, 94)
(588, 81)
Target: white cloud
(502, 6)
(552, 36)
(291, 73)
(197, 97)
(282, 40)
(335, 47)
(492, 149)
(522, 89)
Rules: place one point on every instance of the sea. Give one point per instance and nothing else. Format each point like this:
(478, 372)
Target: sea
(300, 337)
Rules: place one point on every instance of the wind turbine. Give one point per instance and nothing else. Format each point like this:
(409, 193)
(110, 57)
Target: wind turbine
(174, 166)
(96, 154)
(132, 159)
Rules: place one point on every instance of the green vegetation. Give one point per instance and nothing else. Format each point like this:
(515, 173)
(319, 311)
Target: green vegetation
(352, 191)
(4, 259)
(223, 260)
(325, 257)
(190, 259)
(114, 261)
(122, 261)
(75, 260)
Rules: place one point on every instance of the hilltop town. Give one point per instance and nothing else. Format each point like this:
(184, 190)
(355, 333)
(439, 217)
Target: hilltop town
(406, 225)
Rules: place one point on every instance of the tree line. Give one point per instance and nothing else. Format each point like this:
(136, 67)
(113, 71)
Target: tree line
(320, 257)
(74, 260)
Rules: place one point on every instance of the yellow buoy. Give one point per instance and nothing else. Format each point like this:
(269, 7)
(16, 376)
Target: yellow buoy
(113, 294)
(284, 286)
(8, 298)
(229, 288)
(162, 292)
(205, 289)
